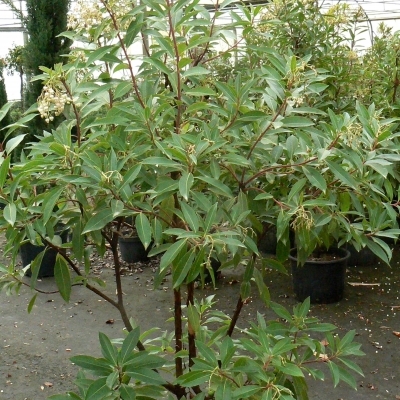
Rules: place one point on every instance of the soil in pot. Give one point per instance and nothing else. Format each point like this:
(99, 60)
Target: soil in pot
(29, 251)
(132, 249)
(322, 277)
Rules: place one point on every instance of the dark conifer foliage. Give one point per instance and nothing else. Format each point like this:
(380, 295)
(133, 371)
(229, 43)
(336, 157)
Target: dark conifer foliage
(46, 19)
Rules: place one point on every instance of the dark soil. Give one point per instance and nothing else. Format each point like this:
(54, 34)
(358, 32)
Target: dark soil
(36, 347)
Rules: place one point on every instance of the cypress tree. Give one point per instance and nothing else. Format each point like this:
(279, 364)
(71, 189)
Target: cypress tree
(3, 99)
(45, 20)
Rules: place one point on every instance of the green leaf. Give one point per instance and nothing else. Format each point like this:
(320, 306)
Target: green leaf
(193, 378)
(315, 178)
(13, 143)
(200, 91)
(301, 387)
(133, 29)
(227, 351)
(158, 64)
(146, 375)
(296, 188)
(127, 392)
(185, 183)
(170, 255)
(10, 213)
(341, 174)
(32, 302)
(143, 229)
(4, 110)
(291, 369)
(98, 54)
(335, 372)
(35, 267)
(292, 143)
(162, 161)
(281, 311)
(224, 390)
(143, 359)
(182, 268)
(117, 207)
(193, 317)
(112, 379)
(98, 390)
(351, 365)
(210, 219)
(195, 71)
(345, 376)
(377, 249)
(191, 217)
(130, 176)
(303, 308)
(217, 186)
(129, 344)
(108, 350)
(67, 396)
(62, 277)
(99, 366)
(49, 202)
(4, 169)
(98, 221)
(78, 241)
(246, 391)
(262, 287)
(297, 122)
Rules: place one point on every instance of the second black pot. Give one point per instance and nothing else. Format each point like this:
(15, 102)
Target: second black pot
(132, 249)
(322, 281)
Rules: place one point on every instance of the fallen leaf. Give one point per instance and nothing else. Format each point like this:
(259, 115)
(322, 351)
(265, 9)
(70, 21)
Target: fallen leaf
(48, 384)
(363, 284)
(67, 349)
(396, 333)
(324, 342)
(110, 321)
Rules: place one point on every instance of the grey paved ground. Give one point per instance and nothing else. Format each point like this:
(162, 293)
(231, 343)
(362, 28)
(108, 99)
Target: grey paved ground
(35, 348)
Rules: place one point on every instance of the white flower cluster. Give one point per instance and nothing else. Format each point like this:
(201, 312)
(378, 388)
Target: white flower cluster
(52, 102)
(85, 15)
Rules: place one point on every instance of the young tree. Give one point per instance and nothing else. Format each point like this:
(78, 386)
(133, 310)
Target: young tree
(45, 20)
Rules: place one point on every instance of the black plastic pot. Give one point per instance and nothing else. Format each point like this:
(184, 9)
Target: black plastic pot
(132, 249)
(363, 258)
(29, 251)
(268, 241)
(322, 281)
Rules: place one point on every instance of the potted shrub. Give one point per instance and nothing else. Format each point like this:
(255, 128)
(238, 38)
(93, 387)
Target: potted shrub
(199, 162)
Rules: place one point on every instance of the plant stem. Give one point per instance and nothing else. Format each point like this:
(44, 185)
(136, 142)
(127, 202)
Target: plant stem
(191, 331)
(178, 331)
(235, 316)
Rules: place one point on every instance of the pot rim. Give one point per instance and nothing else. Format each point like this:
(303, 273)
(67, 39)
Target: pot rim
(343, 254)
